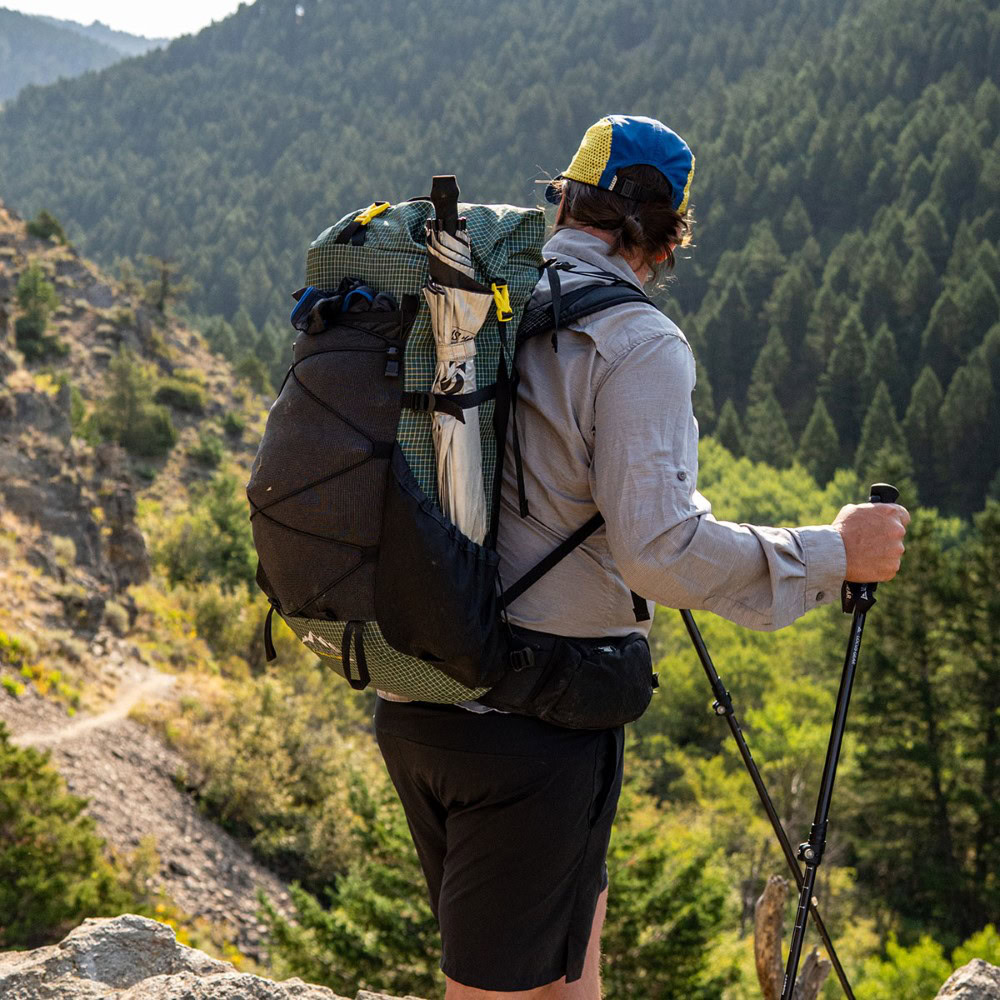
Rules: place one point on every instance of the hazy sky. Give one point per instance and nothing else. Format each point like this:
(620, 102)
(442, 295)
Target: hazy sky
(152, 18)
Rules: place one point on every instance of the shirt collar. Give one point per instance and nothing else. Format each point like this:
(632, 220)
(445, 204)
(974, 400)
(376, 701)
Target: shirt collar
(590, 250)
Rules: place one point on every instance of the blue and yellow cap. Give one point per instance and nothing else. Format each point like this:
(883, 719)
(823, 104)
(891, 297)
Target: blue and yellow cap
(618, 141)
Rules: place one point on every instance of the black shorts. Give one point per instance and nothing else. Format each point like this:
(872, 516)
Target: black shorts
(511, 818)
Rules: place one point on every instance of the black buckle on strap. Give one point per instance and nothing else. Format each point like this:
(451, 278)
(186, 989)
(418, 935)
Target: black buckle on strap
(521, 659)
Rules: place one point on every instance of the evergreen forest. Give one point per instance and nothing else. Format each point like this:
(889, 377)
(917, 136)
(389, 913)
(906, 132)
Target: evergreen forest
(842, 298)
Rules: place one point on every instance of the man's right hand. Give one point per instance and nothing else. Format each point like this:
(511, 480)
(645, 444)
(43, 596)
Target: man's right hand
(873, 539)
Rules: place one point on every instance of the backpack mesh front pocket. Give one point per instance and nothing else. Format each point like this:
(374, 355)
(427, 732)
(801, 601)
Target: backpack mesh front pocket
(317, 486)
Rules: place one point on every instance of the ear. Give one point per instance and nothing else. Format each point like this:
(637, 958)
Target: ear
(660, 257)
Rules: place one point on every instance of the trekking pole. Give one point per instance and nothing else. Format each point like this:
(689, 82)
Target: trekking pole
(859, 598)
(724, 707)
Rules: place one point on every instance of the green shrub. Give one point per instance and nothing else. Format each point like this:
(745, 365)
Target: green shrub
(195, 375)
(77, 407)
(208, 451)
(12, 687)
(36, 295)
(213, 541)
(234, 423)
(33, 342)
(252, 370)
(53, 872)
(127, 414)
(46, 227)
(16, 651)
(181, 395)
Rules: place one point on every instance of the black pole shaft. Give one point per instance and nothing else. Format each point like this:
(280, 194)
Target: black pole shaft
(812, 852)
(724, 706)
(857, 597)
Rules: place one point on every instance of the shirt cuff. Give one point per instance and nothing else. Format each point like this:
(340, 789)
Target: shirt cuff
(826, 564)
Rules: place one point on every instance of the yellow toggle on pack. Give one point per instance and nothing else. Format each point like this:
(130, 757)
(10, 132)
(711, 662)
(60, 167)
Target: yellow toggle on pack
(375, 208)
(501, 296)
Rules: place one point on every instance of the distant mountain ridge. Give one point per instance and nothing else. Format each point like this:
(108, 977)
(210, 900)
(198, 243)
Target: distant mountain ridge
(41, 50)
(123, 41)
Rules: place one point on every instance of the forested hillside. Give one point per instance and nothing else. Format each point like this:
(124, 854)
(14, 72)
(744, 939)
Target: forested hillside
(842, 297)
(34, 50)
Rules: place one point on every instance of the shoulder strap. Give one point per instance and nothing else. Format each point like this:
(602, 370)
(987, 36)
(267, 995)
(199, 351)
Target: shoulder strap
(564, 309)
(578, 304)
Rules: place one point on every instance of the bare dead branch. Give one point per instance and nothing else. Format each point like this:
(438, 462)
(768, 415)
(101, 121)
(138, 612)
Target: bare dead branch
(769, 918)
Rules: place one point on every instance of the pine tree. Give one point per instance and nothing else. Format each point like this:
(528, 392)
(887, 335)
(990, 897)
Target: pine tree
(913, 843)
(919, 289)
(945, 330)
(795, 225)
(53, 864)
(720, 332)
(728, 431)
(842, 384)
(979, 631)
(927, 231)
(879, 285)
(767, 437)
(990, 353)
(829, 311)
(920, 428)
(964, 436)
(770, 367)
(819, 446)
(918, 180)
(881, 436)
(883, 366)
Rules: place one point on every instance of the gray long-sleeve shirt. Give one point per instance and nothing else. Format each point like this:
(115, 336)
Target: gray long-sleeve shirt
(606, 424)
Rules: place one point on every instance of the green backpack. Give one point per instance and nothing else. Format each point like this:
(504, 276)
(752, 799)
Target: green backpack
(355, 553)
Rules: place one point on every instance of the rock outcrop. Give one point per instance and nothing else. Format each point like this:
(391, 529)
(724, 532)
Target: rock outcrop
(133, 958)
(976, 981)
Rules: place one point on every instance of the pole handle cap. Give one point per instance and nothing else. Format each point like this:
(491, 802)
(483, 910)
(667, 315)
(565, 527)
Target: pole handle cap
(882, 493)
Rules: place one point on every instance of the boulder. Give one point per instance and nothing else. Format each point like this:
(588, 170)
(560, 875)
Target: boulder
(134, 958)
(978, 980)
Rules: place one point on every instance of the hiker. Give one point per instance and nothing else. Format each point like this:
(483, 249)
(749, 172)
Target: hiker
(511, 816)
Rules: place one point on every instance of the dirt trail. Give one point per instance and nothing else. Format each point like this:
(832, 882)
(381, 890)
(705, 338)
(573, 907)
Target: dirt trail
(150, 686)
(129, 777)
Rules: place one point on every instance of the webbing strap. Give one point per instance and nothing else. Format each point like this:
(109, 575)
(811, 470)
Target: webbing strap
(355, 630)
(639, 606)
(269, 650)
(555, 286)
(505, 390)
(454, 406)
(522, 499)
(563, 549)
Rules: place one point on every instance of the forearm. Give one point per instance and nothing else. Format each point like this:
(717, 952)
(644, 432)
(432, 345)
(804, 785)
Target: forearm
(762, 578)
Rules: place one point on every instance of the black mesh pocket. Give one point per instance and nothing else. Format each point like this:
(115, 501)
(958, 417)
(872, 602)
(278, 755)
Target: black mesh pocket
(318, 482)
(435, 589)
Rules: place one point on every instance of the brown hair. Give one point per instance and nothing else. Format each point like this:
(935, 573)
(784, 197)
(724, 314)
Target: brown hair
(646, 227)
